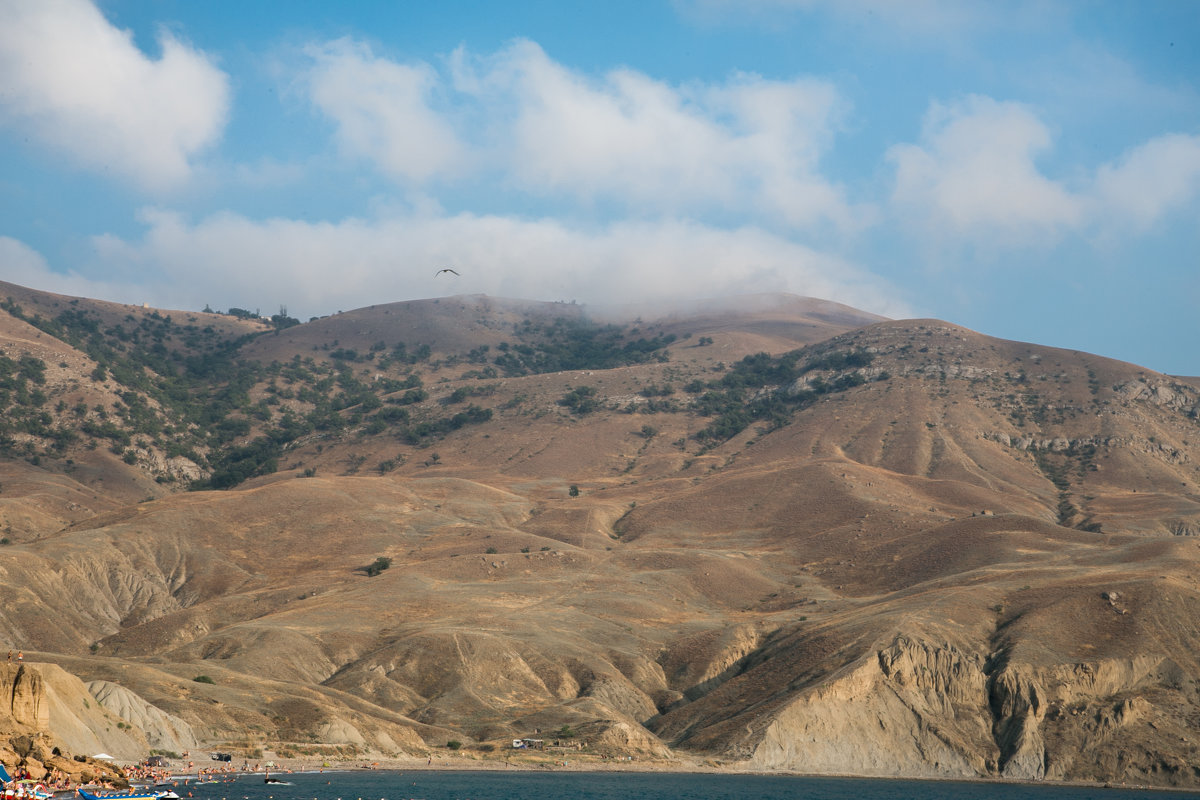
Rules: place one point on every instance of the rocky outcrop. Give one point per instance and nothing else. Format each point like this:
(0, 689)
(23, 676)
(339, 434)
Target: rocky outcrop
(37, 755)
(24, 696)
(1161, 451)
(1160, 393)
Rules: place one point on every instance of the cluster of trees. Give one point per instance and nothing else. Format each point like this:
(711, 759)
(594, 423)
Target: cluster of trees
(580, 400)
(565, 344)
(22, 402)
(278, 321)
(383, 358)
(758, 389)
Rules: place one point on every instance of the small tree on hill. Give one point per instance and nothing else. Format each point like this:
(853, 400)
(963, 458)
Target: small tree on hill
(378, 566)
(581, 400)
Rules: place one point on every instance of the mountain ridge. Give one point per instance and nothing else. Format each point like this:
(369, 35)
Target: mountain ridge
(792, 537)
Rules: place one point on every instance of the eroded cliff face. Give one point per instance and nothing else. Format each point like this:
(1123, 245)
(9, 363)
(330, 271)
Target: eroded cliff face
(24, 695)
(162, 731)
(39, 726)
(914, 709)
(920, 709)
(47, 708)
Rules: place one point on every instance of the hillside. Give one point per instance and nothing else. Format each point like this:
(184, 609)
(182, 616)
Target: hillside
(773, 533)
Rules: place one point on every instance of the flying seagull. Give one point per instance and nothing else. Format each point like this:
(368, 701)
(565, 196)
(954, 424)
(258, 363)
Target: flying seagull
(445, 269)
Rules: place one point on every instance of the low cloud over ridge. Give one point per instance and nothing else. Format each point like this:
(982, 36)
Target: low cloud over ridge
(228, 259)
(81, 87)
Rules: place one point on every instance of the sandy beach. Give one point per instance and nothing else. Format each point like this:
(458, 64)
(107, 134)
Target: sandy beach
(450, 760)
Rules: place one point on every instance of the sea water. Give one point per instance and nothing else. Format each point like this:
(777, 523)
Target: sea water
(523, 785)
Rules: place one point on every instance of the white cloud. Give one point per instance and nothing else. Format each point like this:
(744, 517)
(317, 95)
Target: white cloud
(382, 110)
(974, 175)
(81, 87)
(1149, 181)
(320, 267)
(749, 144)
(973, 178)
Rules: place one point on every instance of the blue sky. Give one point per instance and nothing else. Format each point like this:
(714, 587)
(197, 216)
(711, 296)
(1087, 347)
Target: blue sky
(1028, 170)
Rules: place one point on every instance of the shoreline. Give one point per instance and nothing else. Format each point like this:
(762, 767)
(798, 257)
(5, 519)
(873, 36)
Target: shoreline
(470, 763)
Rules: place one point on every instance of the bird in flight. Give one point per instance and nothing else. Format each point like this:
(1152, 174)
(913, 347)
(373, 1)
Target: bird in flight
(445, 269)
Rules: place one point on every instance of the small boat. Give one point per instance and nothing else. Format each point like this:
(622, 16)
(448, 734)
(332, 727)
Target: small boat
(274, 781)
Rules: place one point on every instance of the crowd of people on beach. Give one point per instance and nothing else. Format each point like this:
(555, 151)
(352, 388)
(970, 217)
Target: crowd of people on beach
(147, 773)
(56, 781)
(143, 773)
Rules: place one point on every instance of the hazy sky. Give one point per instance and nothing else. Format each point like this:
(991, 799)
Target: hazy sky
(1029, 170)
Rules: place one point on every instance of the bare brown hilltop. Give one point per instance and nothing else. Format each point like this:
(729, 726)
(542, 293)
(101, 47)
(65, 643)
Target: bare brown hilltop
(775, 533)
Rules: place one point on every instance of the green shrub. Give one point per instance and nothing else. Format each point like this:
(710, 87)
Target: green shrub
(580, 400)
(378, 566)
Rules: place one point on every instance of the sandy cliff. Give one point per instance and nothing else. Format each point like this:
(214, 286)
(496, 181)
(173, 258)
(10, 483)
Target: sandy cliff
(52, 722)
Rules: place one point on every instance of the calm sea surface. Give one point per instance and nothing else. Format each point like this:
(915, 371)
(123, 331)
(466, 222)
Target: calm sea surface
(626, 786)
